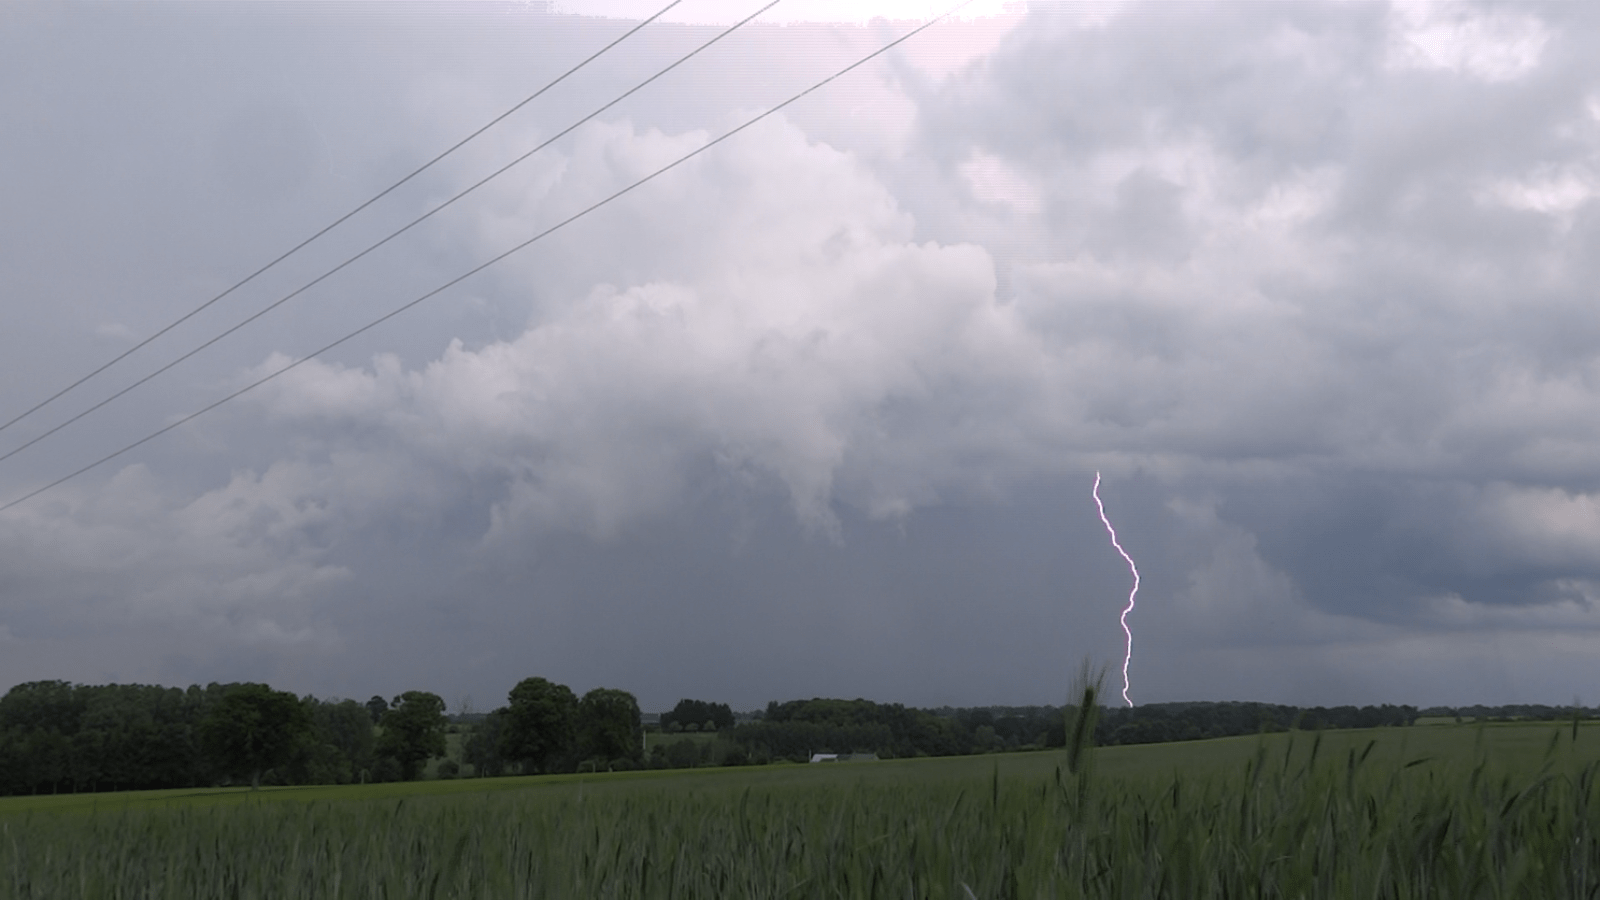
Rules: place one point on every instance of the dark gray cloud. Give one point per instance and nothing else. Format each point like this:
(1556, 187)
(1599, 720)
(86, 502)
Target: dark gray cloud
(817, 413)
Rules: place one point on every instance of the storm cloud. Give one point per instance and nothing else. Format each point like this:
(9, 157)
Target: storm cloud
(816, 412)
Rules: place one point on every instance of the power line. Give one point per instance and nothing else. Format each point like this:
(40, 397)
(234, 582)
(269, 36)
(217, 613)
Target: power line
(484, 265)
(412, 224)
(335, 224)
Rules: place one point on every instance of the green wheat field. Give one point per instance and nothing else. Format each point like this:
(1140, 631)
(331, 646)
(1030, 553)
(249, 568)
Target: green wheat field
(1460, 811)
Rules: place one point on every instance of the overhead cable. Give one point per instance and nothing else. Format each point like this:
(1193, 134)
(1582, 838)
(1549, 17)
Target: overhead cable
(412, 224)
(484, 265)
(335, 224)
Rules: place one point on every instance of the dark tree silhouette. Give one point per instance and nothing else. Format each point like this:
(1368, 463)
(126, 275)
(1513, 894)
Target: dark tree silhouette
(252, 728)
(609, 725)
(541, 726)
(413, 731)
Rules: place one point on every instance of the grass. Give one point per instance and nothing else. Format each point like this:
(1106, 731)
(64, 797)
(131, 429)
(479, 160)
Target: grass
(1460, 811)
(667, 738)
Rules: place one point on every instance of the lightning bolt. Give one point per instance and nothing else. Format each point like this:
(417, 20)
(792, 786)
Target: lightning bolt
(1128, 656)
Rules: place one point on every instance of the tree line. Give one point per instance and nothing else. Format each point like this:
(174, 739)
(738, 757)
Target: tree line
(800, 728)
(61, 737)
(1534, 711)
(1160, 722)
(57, 737)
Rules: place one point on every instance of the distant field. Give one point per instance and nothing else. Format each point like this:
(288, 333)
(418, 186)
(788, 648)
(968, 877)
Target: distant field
(652, 738)
(1517, 746)
(1503, 809)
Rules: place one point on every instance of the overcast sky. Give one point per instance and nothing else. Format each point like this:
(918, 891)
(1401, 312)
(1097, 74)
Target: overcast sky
(817, 413)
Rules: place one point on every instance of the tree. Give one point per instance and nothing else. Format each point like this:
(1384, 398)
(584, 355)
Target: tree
(376, 707)
(683, 754)
(37, 722)
(42, 704)
(346, 726)
(252, 728)
(609, 725)
(482, 748)
(541, 721)
(413, 731)
(699, 713)
(338, 748)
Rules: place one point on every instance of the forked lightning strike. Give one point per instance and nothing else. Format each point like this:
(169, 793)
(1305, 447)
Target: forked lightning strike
(1128, 656)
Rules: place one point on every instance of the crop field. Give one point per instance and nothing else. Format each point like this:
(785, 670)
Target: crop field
(1497, 810)
(653, 738)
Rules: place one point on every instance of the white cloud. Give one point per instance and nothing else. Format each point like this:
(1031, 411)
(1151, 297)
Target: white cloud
(1549, 192)
(781, 330)
(1497, 46)
(243, 547)
(994, 180)
(1550, 526)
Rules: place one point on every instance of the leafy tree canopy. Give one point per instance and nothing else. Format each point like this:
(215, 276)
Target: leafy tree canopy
(698, 712)
(541, 725)
(413, 731)
(252, 728)
(609, 725)
(482, 749)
